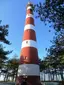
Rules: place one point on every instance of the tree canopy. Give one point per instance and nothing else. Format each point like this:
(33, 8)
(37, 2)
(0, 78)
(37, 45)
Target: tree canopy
(3, 53)
(4, 33)
(51, 11)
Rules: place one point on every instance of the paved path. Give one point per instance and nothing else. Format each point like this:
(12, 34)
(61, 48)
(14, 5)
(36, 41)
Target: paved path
(4, 83)
(47, 83)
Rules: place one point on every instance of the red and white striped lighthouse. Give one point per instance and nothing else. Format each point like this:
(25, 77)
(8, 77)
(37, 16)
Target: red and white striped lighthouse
(29, 62)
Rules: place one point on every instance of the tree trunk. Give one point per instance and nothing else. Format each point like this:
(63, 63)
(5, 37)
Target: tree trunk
(61, 73)
(7, 77)
(48, 76)
(53, 76)
(16, 74)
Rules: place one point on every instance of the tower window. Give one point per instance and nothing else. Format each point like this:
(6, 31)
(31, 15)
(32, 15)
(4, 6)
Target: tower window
(25, 57)
(26, 41)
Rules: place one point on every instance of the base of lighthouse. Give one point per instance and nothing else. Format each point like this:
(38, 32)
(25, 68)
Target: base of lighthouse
(31, 80)
(30, 73)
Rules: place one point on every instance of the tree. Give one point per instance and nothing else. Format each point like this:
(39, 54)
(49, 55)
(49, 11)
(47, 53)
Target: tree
(54, 62)
(42, 64)
(3, 59)
(56, 51)
(12, 67)
(3, 53)
(52, 11)
(4, 33)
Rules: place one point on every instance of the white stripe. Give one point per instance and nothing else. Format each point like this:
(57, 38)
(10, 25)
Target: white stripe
(28, 69)
(29, 7)
(29, 15)
(29, 26)
(29, 43)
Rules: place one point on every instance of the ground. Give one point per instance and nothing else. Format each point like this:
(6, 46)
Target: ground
(46, 83)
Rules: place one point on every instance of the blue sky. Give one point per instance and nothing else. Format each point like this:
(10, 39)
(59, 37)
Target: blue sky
(13, 12)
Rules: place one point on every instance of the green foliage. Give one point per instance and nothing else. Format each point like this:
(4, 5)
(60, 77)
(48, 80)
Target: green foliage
(57, 50)
(13, 63)
(52, 11)
(3, 53)
(3, 56)
(55, 55)
(42, 65)
(12, 66)
(4, 33)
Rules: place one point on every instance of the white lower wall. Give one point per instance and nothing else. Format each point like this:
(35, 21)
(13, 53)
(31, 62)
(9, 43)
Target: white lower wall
(29, 69)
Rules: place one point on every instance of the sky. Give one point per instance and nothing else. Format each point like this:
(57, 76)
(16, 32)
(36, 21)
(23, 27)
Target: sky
(13, 13)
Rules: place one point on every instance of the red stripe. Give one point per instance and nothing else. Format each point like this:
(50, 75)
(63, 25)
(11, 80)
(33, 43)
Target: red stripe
(29, 20)
(29, 55)
(29, 34)
(29, 11)
(31, 80)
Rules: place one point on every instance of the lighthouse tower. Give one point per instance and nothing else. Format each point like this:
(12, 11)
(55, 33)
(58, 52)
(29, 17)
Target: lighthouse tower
(29, 62)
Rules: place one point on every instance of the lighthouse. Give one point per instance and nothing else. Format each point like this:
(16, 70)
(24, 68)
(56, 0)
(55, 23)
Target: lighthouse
(29, 62)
